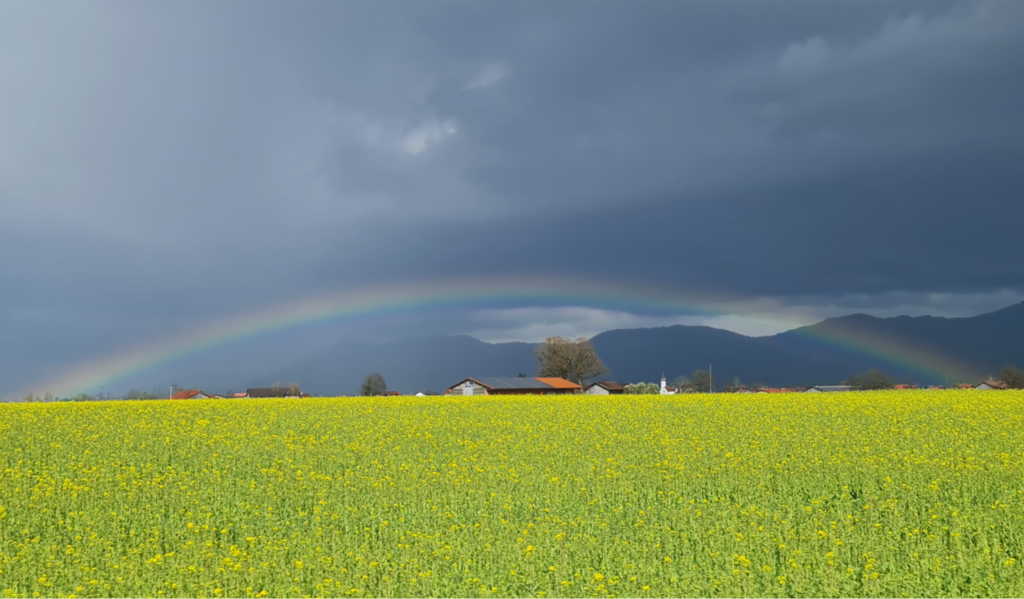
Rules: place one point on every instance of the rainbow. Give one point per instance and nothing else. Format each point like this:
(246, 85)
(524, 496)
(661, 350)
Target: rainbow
(473, 293)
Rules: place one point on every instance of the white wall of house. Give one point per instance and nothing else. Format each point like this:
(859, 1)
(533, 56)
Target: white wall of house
(469, 388)
(597, 390)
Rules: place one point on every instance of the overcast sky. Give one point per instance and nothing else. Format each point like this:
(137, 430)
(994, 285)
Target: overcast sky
(164, 166)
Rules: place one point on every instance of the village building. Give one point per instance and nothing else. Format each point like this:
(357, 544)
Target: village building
(666, 390)
(193, 394)
(828, 388)
(513, 385)
(990, 386)
(605, 388)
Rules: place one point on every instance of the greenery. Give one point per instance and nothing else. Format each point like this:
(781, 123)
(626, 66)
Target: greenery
(855, 494)
(642, 389)
(136, 394)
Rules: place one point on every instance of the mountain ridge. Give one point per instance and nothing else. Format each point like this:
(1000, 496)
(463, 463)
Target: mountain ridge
(827, 352)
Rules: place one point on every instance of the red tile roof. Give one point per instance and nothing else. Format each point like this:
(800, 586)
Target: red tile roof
(558, 383)
(187, 394)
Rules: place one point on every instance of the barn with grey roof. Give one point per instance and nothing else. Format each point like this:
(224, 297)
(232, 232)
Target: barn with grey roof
(512, 385)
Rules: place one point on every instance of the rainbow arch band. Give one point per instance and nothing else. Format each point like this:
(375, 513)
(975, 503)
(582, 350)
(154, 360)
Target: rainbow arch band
(473, 293)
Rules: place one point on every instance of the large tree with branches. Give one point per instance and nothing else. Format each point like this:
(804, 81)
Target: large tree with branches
(1013, 377)
(373, 385)
(574, 361)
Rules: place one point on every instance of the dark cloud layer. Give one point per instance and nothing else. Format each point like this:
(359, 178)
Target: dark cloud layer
(164, 166)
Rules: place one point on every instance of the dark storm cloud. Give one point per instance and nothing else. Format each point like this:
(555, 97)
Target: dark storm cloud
(162, 166)
(943, 223)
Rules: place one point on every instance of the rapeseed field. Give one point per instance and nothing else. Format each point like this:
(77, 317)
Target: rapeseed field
(911, 493)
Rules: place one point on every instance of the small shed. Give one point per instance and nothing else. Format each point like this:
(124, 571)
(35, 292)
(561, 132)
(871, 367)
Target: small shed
(605, 388)
(269, 392)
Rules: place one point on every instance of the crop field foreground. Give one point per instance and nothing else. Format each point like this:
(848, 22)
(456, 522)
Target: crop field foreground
(909, 493)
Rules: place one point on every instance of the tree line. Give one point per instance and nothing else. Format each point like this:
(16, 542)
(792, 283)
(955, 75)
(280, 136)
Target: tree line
(572, 360)
(577, 361)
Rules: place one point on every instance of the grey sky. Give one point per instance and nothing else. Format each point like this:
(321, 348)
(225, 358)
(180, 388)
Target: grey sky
(163, 166)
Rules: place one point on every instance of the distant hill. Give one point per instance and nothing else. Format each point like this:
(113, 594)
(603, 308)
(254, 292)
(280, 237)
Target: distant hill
(968, 348)
(922, 349)
(645, 354)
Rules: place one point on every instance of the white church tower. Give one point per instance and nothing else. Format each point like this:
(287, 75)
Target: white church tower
(664, 388)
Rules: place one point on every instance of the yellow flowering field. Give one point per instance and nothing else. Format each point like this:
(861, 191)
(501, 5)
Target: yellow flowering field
(910, 493)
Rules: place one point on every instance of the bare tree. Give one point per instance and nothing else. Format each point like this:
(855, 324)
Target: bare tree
(373, 385)
(294, 390)
(574, 361)
(682, 384)
(873, 379)
(1013, 377)
(702, 382)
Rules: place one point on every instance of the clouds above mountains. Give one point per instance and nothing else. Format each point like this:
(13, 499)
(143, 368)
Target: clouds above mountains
(166, 165)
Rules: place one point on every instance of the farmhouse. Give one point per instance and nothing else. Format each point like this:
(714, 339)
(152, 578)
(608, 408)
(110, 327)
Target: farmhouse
(990, 385)
(605, 388)
(193, 394)
(513, 385)
(829, 388)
